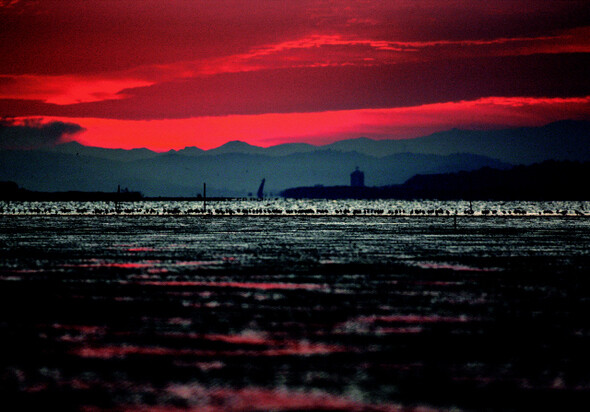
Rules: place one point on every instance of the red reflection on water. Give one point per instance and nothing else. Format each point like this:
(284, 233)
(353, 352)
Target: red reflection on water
(250, 338)
(241, 285)
(157, 270)
(78, 333)
(255, 345)
(290, 349)
(129, 265)
(302, 348)
(228, 399)
(276, 347)
(114, 351)
(141, 249)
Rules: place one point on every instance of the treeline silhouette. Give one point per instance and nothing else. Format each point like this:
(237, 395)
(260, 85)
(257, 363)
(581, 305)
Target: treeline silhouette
(11, 191)
(550, 180)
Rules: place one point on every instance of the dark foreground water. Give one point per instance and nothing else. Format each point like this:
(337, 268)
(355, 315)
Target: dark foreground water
(236, 313)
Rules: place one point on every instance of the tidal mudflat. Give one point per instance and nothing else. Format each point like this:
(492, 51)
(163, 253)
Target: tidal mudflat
(372, 312)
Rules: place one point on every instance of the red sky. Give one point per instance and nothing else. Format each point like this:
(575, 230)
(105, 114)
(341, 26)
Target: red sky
(170, 74)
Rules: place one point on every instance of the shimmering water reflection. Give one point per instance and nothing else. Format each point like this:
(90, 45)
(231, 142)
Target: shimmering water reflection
(301, 207)
(379, 313)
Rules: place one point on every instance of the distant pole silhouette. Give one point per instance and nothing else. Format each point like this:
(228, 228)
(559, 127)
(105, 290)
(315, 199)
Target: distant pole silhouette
(118, 199)
(205, 196)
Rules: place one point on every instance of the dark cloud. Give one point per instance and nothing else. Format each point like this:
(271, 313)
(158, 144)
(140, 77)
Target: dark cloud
(94, 36)
(32, 133)
(335, 88)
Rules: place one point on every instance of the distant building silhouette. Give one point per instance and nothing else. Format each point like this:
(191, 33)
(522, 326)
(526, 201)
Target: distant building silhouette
(357, 178)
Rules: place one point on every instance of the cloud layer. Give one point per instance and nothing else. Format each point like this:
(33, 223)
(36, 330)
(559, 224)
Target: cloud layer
(268, 129)
(153, 60)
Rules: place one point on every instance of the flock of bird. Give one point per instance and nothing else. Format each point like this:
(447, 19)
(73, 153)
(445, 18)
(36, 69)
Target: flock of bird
(133, 208)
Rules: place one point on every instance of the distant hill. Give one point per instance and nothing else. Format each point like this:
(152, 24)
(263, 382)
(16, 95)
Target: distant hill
(236, 168)
(550, 180)
(189, 151)
(11, 191)
(236, 147)
(563, 140)
(75, 148)
(231, 174)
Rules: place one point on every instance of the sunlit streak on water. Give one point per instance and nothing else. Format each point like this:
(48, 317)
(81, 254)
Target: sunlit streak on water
(375, 313)
(303, 207)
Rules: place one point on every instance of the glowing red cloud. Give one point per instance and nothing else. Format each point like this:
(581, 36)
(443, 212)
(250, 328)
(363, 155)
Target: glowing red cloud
(308, 71)
(320, 50)
(310, 51)
(64, 90)
(326, 127)
(96, 36)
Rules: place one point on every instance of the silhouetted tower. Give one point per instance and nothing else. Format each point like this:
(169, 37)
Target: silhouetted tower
(357, 178)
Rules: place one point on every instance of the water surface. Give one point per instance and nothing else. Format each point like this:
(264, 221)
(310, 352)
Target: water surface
(284, 312)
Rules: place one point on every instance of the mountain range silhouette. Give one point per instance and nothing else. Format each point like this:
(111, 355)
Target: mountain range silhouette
(236, 168)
